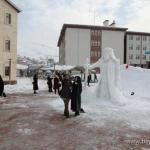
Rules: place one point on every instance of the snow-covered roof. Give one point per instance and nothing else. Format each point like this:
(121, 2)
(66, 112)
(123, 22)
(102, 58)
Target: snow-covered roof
(62, 67)
(13, 5)
(46, 68)
(22, 67)
(35, 66)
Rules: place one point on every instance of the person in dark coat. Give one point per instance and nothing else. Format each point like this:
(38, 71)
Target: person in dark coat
(35, 83)
(60, 77)
(65, 93)
(76, 96)
(89, 79)
(49, 83)
(56, 84)
(1, 86)
(95, 78)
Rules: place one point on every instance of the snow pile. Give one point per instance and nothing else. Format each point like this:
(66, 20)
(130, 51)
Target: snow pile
(135, 79)
(134, 112)
(24, 85)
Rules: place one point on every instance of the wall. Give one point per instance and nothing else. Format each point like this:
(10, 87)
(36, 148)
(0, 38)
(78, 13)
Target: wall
(8, 31)
(141, 52)
(77, 46)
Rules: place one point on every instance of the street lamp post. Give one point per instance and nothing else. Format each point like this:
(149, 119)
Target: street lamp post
(9, 69)
(54, 67)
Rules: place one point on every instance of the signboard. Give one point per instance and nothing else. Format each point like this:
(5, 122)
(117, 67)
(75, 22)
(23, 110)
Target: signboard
(147, 52)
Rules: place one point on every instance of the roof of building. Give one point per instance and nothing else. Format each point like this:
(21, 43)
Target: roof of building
(13, 5)
(137, 33)
(22, 67)
(65, 26)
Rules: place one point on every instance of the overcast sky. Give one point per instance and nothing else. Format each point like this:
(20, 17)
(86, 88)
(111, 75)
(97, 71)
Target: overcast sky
(40, 21)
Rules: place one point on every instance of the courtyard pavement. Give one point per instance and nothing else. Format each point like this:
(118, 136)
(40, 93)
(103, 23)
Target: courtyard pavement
(33, 122)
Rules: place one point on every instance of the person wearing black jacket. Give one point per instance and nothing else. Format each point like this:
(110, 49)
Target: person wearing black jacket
(35, 83)
(56, 84)
(65, 93)
(49, 83)
(89, 79)
(1, 86)
(76, 96)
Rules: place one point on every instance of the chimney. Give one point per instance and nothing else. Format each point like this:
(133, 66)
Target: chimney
(106, 23)
(113, 24)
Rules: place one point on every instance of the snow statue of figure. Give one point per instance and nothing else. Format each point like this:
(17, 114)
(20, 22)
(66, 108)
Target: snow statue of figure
(108, 84)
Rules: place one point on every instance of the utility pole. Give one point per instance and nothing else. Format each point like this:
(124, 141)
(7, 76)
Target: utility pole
(141, 53)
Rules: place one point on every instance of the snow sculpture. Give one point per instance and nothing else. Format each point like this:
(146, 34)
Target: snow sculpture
(108, 85)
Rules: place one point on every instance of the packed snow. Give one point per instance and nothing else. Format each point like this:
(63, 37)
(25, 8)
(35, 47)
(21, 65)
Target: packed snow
(24, 85)
(134, 112)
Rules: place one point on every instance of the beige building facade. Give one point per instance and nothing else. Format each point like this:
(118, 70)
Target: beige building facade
(138, 48)
(8, 40)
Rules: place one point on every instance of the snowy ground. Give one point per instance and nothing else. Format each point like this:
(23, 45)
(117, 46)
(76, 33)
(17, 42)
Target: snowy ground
(36, 121)
(24, 85)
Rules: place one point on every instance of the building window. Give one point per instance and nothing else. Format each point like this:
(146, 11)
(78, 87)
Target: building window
(7, 71)
(98, 54)
(95, 43)
(137, 56)
(95, 32)
(95, 54)
(99, 33)
(144, 38)
(131, 37)
(99, 44)
(7, 45)
(130, 56)
(138, 38)
(144, 57)
(138, 47)
(144, 47)
(92, 53)
(131, 47)
(92, 32)
(8, 18)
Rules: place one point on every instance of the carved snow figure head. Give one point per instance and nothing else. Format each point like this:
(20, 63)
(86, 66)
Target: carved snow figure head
(108, 54)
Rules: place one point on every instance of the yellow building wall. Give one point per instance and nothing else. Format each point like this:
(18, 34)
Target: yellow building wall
(8, 31)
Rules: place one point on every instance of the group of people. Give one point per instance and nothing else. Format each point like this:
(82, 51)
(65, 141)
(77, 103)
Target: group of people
(53, 82)
(69, 88)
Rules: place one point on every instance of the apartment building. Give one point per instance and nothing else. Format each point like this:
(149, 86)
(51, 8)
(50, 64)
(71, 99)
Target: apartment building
(79, 42)
(137, 48)
(8, 40)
